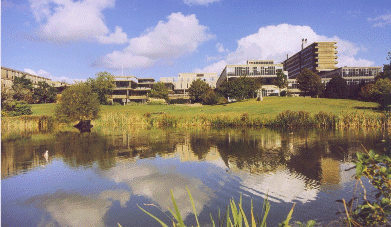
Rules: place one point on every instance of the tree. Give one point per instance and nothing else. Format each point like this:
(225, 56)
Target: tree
(386, 70)
(23, 89)
(197, 89)
(78, 102)
(44, 93)
(383, 92)
(159, 90)
(281, 81)
(210, 97)
(240, 88)
(309, 83)
(337, 88)
(102, 85)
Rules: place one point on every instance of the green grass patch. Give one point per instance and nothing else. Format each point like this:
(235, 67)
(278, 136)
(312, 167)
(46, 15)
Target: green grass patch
(270, 107)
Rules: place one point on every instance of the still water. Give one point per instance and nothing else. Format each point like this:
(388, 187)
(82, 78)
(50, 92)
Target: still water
(100, 178)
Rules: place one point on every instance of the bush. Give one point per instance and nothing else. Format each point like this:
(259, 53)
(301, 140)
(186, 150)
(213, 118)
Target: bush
(15, 108)
(78, 102)
(337, 88)
(209, 97)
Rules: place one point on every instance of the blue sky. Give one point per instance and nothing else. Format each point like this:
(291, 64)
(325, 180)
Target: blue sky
(67, 39)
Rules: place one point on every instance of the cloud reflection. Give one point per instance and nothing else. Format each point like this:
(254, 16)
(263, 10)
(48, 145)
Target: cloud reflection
(71, 209)
(155, 183)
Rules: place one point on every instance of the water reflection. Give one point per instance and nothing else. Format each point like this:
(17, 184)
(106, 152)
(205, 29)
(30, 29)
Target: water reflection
(73, 209)
(143, 166)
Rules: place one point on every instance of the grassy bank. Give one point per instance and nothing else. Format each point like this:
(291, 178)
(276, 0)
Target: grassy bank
(269, 108)
(273, 112)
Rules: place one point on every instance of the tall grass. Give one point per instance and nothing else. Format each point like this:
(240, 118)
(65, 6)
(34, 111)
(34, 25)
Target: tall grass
(13, 126)
(127, 120)
(286, 119)
(234, 215)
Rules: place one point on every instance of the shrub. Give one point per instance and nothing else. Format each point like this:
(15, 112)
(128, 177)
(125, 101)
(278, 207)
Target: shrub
(78, 102)
(209, 97)
(15, 108)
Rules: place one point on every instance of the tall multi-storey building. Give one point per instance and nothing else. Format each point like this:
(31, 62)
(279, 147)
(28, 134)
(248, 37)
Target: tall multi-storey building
(265, 69)
(318, 57)
(353, 75)
(184, 80)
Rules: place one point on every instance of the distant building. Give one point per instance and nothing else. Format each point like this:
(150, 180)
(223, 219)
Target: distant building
(8, 75)
(131, 89)
(353, 75)
(318, 57)
(184, 80)
(265, 69)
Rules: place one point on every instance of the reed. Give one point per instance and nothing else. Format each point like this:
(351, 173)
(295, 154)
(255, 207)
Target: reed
(12, 126)
(234, 215)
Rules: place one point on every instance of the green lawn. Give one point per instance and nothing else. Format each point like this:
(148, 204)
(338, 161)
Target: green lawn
(269, 107)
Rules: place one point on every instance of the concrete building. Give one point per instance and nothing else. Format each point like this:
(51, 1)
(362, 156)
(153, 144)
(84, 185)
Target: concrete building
(265, 69)
(131, 89)
(318, 57)
(8, 75)
(352, 75)
(184, 80)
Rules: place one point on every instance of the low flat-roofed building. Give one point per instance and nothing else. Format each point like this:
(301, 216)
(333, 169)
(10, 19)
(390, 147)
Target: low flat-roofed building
(184, 80)
(353, 75)
(265, 69)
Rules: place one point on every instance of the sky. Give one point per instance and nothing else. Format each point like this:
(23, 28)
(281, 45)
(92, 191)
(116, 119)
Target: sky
(67, 40)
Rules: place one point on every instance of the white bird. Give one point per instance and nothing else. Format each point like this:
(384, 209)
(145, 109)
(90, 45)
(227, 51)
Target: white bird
(46, 156)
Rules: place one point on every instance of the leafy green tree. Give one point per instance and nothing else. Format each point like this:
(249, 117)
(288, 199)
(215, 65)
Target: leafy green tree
(309, 83)
(337, 88)
(367, 92)
(386, 70)
(102, 85)
(78, 102)
(44, 93)
(197, 89)
(210, 97)
(23, 89)
(159, 90)
(383, 92)
(240, 88)
(281, 81)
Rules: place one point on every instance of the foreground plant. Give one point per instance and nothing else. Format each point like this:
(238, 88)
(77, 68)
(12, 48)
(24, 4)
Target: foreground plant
(375, 212)
(234, 216)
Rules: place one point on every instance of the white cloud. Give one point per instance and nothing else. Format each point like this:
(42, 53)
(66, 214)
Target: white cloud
(177, 36)
(199, 2)
(275, 42)
(220, 48)
(118, 37)
(68, 20)
(381, 20)
(48, 75)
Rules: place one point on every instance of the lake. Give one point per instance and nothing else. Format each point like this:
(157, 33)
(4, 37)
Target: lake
(100, 178)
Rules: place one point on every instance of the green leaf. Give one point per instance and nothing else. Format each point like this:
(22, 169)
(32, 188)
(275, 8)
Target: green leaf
(192, 204)
(154, 217)
(178, 215)
(359, 169)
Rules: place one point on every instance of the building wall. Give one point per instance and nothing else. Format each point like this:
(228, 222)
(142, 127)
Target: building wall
(184, 80)
(318, 57)
(131, 89)
(353, 75)
(8, 75)
(254, 68)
